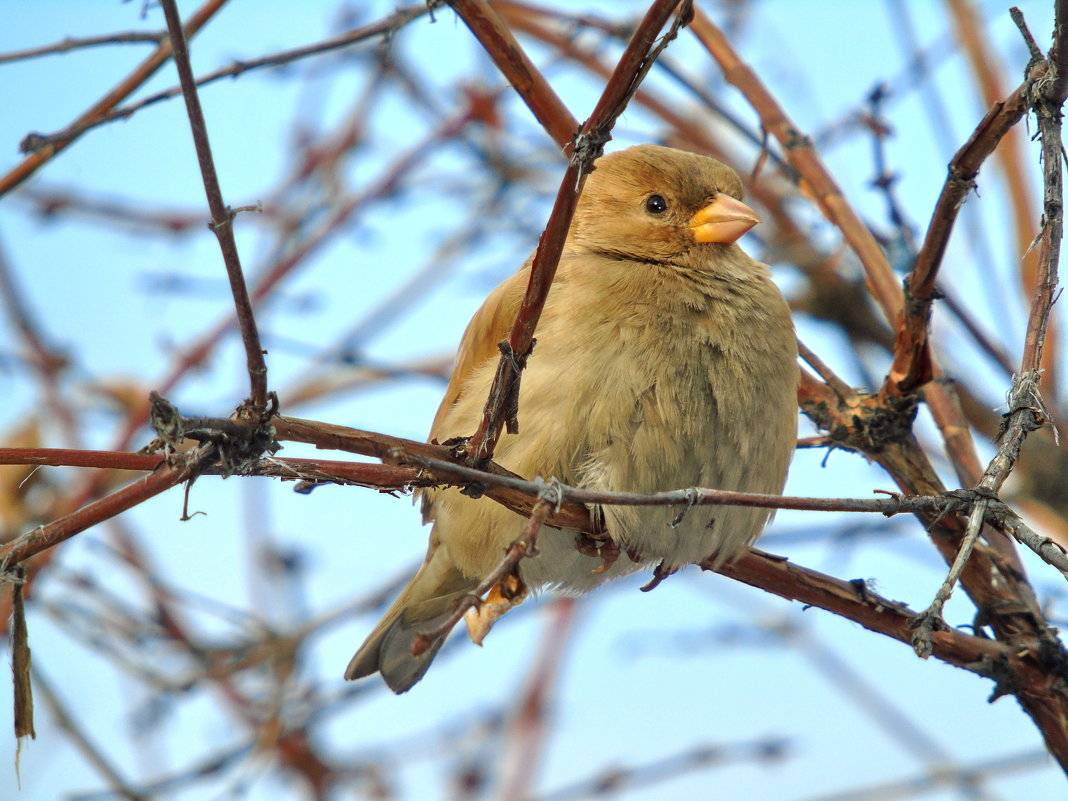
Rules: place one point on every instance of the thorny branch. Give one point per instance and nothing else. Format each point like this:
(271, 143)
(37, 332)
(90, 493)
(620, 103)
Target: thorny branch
(1045, 93)
(911, 367)
(222, 218)
(1023, 659)
(417, 464)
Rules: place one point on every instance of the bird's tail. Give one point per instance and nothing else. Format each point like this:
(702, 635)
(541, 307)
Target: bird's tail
(424, 605)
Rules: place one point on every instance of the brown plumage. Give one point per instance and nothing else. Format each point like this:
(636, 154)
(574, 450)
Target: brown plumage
(665, 359)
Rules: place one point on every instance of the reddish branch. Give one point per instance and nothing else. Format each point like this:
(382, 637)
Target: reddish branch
(587, 145)
(384, 27)
(135, 79)
(222, 218)
(855, 601)
(911, 367)
(183, 467)
(513, 62)
(803, 157)
(418, 464)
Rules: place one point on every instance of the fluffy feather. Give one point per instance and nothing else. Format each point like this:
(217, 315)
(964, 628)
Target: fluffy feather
(662, 362)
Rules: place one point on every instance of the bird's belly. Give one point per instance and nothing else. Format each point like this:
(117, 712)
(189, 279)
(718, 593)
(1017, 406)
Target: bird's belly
(652, 422)
(668, 412)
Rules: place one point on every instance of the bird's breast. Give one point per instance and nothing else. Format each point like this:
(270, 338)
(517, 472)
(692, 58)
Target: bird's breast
(646, 396)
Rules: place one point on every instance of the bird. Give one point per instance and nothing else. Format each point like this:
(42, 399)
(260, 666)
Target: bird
(665, 358)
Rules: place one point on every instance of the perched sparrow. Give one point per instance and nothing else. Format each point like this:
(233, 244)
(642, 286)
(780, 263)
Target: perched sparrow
(665, 359)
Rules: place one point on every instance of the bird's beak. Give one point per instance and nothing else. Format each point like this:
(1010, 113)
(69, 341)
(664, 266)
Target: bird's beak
(723, 220)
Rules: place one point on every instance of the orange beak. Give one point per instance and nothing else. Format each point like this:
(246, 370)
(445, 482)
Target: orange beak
(723, 220)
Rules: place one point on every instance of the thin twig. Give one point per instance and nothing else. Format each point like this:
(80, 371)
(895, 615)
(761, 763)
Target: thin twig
(78, 42)
(222, 218)
(185, 466)
(145, 70)
(931, 618)
(525, 545)
(912, 366)
(385, 27)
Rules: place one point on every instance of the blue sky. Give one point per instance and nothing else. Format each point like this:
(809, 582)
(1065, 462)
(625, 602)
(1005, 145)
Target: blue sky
(646, 676)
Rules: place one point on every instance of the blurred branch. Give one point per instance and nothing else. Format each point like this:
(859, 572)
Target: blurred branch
(82, 741)
(949, 778)
(67, 203)
(993, 349)
(612, 781)
(513, 62)
(386, 28)
(135, 79)
(181, 468)
(78, 42)
(529, 726)
(803, 157)
(46, 361)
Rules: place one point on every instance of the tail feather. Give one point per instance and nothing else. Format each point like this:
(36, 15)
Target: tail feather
(424, 605)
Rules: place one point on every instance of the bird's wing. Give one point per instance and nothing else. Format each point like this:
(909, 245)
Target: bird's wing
(487, 328)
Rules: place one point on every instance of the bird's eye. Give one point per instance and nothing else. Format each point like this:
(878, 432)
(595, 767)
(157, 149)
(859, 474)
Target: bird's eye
(655, 204)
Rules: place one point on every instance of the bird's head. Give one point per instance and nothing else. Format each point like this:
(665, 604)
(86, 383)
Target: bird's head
(653, 203)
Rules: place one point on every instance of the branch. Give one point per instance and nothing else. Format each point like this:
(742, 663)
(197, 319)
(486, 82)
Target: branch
(526, 544)
(587, 146)
(911, 367)
(773, 574)
(182, 468)
(129, 85)
(514, 63)
(385, 27)
(222, 218)
(856, 601)
(803, 157)
(418, 464)
(76, 43)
